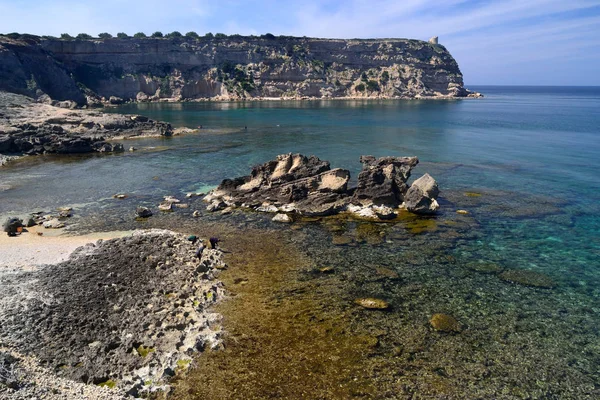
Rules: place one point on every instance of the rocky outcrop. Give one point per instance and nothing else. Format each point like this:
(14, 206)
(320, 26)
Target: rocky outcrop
(34, 128)
(308, 185)
(234, 67)
(125, 313)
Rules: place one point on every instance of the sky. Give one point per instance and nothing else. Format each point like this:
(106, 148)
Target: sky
(509, 42)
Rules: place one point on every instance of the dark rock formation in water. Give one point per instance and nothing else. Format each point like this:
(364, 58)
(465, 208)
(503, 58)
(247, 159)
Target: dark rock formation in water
(34, 128)
(234, 67)
(308, 185)
(383, 180)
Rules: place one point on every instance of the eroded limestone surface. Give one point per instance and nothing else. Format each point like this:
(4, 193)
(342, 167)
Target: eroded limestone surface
(125, 312)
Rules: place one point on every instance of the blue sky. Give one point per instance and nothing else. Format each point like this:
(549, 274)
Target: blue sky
(535, 42)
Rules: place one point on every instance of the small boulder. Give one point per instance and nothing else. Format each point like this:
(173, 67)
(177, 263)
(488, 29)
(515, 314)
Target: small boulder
(444, 323)
(171, 199)
(196, 214)
(372, 303)
(282, 218)
(139, 118)
(143, 212)
(53, 224)
(115, 100)
(216, 205)
(119, 196)
(528, 278)
(12, 225)
(421, 196)
(165, 206)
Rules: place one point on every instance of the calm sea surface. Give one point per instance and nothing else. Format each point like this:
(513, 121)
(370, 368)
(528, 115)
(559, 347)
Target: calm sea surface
(524, 161)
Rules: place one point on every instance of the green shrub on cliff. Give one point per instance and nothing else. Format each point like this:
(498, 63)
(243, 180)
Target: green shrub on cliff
(66, 36)
(192, 35)
(105, 35)
(220, 36)
(385, 76)
(140, 35)
(360, 87)
(157, 34)
(268, 36)
(209, 35)
(372, 86)
(122, 35)
(174, 34)
(84, 36)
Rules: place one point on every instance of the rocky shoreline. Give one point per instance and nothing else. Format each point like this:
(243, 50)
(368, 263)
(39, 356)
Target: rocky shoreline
(29, 127)
(126, 313)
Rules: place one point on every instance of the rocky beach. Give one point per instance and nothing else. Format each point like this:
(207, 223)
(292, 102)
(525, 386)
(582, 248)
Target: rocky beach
(361, 271)
(124, 313)
(32, 127)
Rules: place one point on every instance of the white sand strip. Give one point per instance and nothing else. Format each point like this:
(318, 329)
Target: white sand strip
(30, 249)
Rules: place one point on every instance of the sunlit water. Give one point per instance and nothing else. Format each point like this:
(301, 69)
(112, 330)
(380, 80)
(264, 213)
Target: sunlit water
(523, 161)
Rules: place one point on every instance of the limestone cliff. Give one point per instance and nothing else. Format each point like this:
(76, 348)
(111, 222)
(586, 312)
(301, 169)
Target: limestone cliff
(235, 67)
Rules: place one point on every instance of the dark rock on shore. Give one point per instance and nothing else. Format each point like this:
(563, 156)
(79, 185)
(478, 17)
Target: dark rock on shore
(125, 311)
(29, 127)
(308, 185)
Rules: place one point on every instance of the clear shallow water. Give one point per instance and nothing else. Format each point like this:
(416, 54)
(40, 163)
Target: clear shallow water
(532, 154)
(519, 140)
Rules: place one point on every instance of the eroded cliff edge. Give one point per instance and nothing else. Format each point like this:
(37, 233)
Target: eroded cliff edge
(229, 68)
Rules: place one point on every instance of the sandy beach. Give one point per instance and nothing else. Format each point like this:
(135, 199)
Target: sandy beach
(30, 249)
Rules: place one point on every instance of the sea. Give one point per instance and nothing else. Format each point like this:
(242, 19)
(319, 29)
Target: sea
(518, 268)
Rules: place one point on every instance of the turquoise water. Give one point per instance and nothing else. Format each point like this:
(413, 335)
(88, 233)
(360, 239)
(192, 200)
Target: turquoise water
(530, 154)
(521, 141)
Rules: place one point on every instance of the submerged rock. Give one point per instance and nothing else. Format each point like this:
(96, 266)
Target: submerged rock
(372, 303)
(485, 267)
(165, 206)
(444, 323)
(528, 278)
(143, 212)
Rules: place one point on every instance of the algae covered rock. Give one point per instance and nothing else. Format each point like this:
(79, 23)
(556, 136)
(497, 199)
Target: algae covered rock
(445, 323)
(372, 303)
(528, 278)
(485, 267)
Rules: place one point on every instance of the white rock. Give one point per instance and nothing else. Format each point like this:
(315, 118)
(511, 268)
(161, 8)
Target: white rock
(266, 207)
(165, 206)
(282, 218)
(361, 211)
(171, 199)
(53, 224)
(384, 212)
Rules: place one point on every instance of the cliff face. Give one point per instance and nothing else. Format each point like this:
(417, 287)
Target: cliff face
(242, 67)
